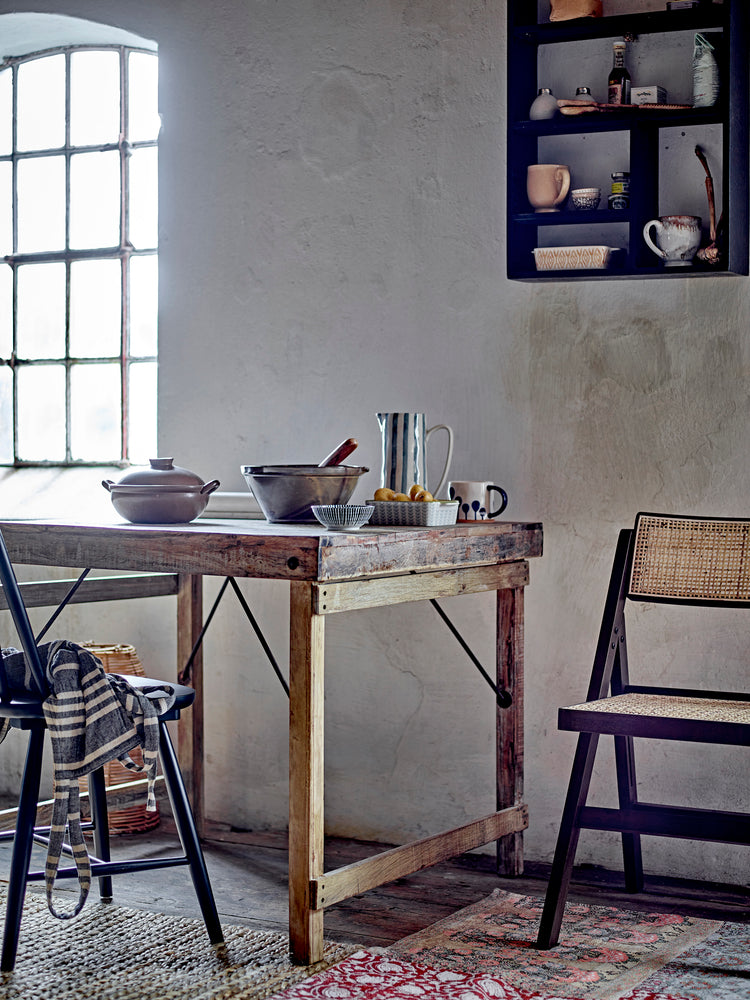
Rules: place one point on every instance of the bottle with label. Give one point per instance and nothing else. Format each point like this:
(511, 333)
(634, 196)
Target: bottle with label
(618, 85)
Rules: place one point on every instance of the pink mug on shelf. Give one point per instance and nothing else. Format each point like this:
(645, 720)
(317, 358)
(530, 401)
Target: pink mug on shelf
(547, 185)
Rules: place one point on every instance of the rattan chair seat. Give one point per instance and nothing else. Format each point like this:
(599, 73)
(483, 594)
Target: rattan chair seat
(660, 706)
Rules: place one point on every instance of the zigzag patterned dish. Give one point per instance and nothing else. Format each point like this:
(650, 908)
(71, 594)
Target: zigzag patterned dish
(572, 258)
(342, 516)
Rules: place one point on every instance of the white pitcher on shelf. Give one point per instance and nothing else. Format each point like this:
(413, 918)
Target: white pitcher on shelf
(405, 437)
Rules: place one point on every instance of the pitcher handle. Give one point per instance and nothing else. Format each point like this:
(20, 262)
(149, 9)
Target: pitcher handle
(655, 224)
(448, 457)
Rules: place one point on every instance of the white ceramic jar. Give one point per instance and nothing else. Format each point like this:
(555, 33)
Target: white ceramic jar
(544, 105)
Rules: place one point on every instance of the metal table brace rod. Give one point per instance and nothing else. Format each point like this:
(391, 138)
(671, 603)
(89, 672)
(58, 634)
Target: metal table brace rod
(504, 699)
(184, 676)
(62, 605)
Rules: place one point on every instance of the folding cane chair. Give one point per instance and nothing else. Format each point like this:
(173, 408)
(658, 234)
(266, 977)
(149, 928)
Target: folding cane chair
(25, 712)
(696, 561)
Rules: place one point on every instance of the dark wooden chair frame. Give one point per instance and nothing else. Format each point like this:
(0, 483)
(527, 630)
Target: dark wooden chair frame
(610, 678)
(25, 712)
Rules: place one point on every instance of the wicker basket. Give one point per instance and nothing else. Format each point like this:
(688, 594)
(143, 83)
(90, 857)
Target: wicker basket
(414, 513)
(121, 658)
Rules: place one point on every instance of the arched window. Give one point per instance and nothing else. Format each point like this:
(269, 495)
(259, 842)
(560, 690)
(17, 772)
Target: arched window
(79, 129)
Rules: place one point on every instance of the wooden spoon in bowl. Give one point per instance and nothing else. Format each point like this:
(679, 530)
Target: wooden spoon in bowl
(339, 453)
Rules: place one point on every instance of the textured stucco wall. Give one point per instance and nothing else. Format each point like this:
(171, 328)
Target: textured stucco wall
(332, 244)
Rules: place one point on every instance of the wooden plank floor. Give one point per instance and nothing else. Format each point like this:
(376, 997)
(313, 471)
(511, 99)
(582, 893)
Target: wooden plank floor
(249, 875)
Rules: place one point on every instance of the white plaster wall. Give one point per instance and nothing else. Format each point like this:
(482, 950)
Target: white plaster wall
(332, 244)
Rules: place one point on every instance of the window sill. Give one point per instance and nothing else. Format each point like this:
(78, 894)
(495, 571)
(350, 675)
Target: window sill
(56, 492)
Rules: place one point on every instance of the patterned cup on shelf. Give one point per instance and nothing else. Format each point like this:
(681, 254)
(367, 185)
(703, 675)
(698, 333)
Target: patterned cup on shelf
(585, 198)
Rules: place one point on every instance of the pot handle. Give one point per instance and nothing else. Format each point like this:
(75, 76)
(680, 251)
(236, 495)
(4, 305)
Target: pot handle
(107, 484)
(210, 487)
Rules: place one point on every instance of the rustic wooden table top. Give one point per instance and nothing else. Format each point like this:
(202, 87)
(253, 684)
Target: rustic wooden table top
(272, 551)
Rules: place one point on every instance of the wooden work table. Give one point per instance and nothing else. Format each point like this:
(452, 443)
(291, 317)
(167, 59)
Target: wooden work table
(328, 573)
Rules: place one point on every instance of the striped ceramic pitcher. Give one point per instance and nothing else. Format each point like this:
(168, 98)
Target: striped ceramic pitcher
(405, 439)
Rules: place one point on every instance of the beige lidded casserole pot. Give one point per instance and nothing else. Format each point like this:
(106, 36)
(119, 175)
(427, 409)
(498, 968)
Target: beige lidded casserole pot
(163, 493)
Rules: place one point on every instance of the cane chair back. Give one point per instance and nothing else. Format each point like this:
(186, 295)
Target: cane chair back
(691, 559)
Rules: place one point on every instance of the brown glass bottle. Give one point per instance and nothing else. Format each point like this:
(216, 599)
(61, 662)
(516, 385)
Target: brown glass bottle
(618, 85)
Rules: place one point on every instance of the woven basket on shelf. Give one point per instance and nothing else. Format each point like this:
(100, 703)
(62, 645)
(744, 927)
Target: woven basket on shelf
(120, 658)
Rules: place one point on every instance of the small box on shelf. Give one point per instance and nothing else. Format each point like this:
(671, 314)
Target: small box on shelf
(648, 95)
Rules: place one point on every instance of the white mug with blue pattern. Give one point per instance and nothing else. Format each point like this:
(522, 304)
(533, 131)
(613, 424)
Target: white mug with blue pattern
(475, 500)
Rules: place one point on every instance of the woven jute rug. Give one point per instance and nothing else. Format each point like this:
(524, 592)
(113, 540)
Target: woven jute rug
(111, 952)
(604, 952)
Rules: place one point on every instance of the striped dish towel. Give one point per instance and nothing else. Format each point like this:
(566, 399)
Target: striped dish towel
(93, 717)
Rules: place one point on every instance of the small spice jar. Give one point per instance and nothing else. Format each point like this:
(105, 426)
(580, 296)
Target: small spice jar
(620, 197)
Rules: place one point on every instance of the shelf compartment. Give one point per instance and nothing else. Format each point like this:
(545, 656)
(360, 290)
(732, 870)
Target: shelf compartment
(616, 274)
(573, 217)
(621, 121)
(644, 23)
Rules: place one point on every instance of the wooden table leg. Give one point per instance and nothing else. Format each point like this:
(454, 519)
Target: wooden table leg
(510, 722)
(190, 726)
(306, 842)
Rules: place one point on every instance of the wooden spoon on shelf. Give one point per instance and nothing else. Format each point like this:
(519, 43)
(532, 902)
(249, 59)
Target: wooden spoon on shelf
(709, 254)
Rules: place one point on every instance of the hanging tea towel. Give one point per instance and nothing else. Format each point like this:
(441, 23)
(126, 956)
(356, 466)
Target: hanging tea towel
(93, 717)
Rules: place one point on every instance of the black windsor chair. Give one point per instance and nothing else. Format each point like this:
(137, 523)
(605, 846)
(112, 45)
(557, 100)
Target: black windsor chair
(25, 712)
(694, 561)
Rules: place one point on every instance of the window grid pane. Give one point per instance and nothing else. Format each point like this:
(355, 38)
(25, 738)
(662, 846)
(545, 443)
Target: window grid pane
(41, 204)
(94, 97)
(41, 103)
(41, 412)
(6, 416)
(74, 320)
(95, 200)
(40, 311)
(6, 311)
(6, 112)
(94, 411)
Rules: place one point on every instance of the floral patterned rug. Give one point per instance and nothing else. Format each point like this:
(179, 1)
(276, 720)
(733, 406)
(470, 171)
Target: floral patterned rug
(603, 952)
(717, 968)
(368, 975)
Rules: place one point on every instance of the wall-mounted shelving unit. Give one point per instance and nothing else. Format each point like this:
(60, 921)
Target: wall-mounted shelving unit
(635, 139)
